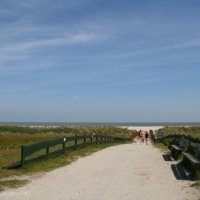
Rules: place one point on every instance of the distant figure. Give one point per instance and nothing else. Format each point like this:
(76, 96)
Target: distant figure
(142, 134)
(138, 137)
(133, 135)
(152, 135)
(146, 137)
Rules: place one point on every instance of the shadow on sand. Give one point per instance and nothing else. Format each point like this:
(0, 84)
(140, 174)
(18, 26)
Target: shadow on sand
(167, 157)
(179, 171)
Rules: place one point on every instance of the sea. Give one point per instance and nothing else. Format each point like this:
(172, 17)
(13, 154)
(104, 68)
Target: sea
(51, 124)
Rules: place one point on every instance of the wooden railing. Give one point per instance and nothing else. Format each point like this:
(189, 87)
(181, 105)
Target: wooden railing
(45, 149)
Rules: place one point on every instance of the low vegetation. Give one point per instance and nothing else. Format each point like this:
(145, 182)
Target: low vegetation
(12, 183)
(193, 131)
(162, 147)
(69, 130)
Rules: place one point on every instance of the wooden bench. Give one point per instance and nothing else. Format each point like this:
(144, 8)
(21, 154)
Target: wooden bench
(183, 146)
(193, 158)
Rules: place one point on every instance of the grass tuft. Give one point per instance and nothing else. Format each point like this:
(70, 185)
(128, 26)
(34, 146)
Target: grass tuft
(12, 183)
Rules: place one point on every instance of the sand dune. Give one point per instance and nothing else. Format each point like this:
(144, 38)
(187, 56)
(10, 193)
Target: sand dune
(144, 128)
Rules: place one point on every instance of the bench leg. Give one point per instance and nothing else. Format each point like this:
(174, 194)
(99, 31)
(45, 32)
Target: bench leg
(192, 168)
(175, 154)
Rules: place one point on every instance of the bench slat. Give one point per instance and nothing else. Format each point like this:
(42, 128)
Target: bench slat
(191, 158)
(176, 147)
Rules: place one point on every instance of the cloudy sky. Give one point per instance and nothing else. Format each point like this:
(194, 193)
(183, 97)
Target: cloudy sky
(100, 60)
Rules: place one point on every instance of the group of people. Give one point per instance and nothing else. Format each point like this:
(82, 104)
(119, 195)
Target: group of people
(143, 136)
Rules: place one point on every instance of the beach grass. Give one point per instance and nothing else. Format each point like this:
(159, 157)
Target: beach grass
(193, 131)
(161, 146)
(14, 183)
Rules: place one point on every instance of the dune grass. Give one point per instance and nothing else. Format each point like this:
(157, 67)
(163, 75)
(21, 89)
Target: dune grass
(193, 131)
(14, 183)
(161, 146)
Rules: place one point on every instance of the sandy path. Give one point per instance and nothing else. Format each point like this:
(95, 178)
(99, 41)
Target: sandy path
(124, 172)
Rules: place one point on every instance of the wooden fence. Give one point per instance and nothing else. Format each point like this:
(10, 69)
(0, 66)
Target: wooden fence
(45, 149)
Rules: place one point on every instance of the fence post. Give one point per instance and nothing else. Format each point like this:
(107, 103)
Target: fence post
(47, 152)
(75, 142)
(91, 139)
(84, 140)
(22, 155)
(64, 140)
(97, 139)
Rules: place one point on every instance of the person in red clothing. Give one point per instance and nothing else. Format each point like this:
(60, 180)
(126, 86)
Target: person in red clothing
(152, 135)
(138, 135)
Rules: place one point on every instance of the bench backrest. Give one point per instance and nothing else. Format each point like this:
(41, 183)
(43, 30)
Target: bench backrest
(184, 143)
(197, 151)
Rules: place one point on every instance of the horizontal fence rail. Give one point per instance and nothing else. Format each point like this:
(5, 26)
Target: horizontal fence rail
(41, 150)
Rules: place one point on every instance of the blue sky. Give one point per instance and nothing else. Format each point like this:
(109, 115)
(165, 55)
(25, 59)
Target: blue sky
(100, 60)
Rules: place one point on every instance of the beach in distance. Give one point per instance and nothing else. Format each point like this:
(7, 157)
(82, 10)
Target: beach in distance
(143, 128)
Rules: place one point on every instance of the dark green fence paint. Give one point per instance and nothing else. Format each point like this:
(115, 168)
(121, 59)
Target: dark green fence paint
(28, 150)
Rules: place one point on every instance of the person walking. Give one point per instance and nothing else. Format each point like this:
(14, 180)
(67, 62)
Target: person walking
(142, 135)
(138, 136)
(146, 137)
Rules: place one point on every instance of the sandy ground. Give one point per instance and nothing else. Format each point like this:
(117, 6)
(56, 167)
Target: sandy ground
(125, 172)
(143, 128)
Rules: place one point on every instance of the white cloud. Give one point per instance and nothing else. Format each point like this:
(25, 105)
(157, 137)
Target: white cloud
(18, 51)
(66, 40)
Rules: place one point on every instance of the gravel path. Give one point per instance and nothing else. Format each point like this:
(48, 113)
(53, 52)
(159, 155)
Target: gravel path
(125, 172)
